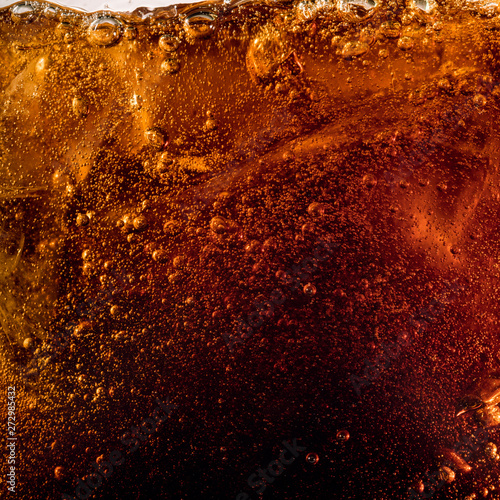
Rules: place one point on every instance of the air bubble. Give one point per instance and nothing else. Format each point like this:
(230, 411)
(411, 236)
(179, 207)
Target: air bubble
(210, 124)
(423, 5)
(172, 227)
(22, 13)
(352, 49)
(169, 43)
(179, 261)
(390, 29)
(312, 458)
(130, 33)
(343, 436)
(28, 343)
(491, 450)
(80, 106)
(316, 208)
(219, 225)
(356, 10)
(266, 52)
(369, 180)
(405, 43)
(156, 138)
(159, 255)
(199, 24)
(50, 12)
(170, 66)
(82, 220)
(446, 474)
(59, 473)
(105, 31)
(479, 100)
(140, 223)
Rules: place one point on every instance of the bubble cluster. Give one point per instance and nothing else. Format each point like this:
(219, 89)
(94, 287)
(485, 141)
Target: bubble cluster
(255, 208)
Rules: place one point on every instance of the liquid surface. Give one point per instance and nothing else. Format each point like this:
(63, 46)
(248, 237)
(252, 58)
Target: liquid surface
(281, 217)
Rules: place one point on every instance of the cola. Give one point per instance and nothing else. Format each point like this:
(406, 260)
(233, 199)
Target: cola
(281, 216)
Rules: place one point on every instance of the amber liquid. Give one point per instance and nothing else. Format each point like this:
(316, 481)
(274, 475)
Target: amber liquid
(280, 216)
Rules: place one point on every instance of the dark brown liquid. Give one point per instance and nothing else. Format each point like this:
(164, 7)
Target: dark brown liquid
(241, 209)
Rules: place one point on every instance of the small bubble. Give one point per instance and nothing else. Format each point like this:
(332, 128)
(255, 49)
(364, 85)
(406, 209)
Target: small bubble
(50, 12)
(491, 450)
(172, 227)
(308, 229)
(88, 268)
(253, 247)
(446, 474)
(210, 124)
(59, 473)
(130, 33)
(179, 261)
(140, 223)
(352, 49)
(199, 24)
(369, 180)
(80, 107)
(270, 244)
(104, 31)
(405, 43)
(156, 138)
(69, 37)
(219, 225)
(444, 84)
(145, 204)
(479, 100)
(390, 29)
(170, 66)
(316, 209)
(82, 220)
(159, 255)
(28, 343)
(82, 329)
(174, 278)
(169, 43)
(310, 290)
(343, 436)
(312, 458)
